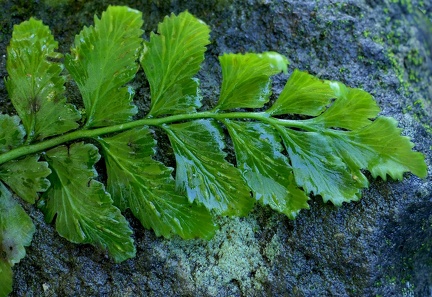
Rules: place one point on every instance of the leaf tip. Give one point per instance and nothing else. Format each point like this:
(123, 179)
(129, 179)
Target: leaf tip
(277, 61)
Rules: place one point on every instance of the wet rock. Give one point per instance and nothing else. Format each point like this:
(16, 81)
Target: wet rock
(379, 246)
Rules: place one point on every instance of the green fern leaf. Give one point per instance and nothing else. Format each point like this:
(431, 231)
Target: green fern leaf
(83, 209)
(146, 186)
(380, 149)
(303, 94)
(328, 152)
(202, 172)
(11, 132)
(246, 79)
(352, 109)
(317, 138)
(102, 61)
(16, 232)
(170, 60)
(35, 85)
(26, 177)
(318, 169)
(5, 278)
(266, 170)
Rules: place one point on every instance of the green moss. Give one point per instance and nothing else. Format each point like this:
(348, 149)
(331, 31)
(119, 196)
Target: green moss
(55, 3)
(344, 70)
(398, 68)
(419, 102)
(404, 65)
(366, 33)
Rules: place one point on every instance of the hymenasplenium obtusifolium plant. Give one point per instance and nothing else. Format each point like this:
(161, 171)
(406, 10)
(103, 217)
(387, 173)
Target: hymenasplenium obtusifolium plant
(49, 149)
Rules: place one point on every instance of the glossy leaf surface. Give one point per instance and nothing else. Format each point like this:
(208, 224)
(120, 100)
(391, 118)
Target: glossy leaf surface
(352, 109)
(303, 94)
(380, 149)
(35, 84)
(318, 169)
(266, 170)
(170, 60)
(83, 209)
(202, 171)
(26, 177)
(246, 79)
(11, 132)
(146, 186)
(329, 152)
(103, 60)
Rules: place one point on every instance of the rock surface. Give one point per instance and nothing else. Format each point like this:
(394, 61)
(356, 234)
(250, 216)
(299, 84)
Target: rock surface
(379, 246)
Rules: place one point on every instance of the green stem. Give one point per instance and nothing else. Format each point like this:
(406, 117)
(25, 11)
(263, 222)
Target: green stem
(83, 133)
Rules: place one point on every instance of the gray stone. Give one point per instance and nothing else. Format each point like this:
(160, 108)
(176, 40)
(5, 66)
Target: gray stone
(379, 246)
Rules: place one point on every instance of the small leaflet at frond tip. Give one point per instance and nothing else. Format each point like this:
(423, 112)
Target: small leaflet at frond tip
(393, 152)
(378, 148)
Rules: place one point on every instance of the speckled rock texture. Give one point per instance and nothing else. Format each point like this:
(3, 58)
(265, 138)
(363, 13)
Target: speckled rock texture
(379, 246)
